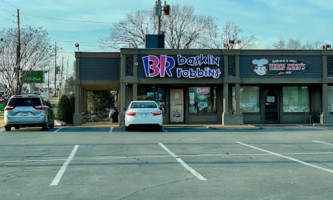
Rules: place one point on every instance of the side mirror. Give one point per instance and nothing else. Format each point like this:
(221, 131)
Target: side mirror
(161, 108)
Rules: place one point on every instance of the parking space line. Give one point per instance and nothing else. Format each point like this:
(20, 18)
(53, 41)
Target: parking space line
(186, 166)
(286, 157)
(62, 170)
(57, 130)
(111, 129)
(322, 142)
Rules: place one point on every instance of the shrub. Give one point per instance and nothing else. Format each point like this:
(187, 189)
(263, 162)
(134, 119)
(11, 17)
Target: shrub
(65, 111)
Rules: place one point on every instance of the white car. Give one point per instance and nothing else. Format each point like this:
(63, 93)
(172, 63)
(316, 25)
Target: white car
(145, 113)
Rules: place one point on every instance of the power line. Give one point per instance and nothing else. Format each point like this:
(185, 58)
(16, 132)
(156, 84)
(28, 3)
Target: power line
(9, 4)
(68, 41)
(71, 20)
(55, 18)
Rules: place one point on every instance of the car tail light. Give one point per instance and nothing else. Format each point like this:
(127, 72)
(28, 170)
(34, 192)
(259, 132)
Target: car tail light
(9, 107)
(40, 107)
(131, 114)
(156, 113)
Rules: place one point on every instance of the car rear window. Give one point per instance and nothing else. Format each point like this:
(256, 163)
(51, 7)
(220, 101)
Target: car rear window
(143, 105)
(24, 102)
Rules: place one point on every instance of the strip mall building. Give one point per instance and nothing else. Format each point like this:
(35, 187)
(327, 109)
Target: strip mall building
(201, 86)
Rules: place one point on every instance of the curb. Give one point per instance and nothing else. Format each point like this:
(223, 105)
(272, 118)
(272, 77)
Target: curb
(235, 128)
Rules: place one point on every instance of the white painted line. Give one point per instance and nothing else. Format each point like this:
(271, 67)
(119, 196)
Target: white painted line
(27, 161)
(111, 129)
(57, 130)
(287, 157)
(186, 166)
(322, 142)
(62, 170)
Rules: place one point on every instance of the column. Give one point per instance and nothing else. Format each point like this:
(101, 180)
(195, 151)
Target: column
(135, 91)
(237, 95)
(77, 113)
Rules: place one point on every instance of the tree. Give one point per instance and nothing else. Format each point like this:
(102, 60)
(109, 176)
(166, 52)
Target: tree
(230, 37)
(65, 109)
(183, 29)
(99, 100)
(69, 86)
(35, 54)
(297, 44)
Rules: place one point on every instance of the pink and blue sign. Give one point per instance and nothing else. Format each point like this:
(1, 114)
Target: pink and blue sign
(198, 66)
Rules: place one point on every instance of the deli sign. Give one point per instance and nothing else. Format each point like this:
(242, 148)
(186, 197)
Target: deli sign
(279, 67)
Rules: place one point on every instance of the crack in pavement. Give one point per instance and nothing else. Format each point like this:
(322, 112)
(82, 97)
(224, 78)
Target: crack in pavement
(154, 186)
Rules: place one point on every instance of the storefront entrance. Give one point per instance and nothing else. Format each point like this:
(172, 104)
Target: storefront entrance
(271, 106)
(176, 105)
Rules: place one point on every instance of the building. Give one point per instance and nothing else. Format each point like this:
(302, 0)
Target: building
(215, 86)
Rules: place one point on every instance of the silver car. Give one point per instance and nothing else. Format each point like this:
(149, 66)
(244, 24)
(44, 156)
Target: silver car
(27, 111)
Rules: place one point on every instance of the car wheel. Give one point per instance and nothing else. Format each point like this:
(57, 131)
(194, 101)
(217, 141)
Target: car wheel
(17, 127)
(52, 125)
(8, 128)
(44, 127)
(127, 128)
(159, 128)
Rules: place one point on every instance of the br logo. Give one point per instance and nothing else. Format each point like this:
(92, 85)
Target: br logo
(155, 66)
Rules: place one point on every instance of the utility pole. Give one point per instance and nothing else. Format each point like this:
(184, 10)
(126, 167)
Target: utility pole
(61, 73)
(18, 54)
(158, 14)
(67, 70)
(55, 70)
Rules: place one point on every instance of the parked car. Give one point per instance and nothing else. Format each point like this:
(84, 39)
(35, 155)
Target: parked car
(28, 111)
(145, 113)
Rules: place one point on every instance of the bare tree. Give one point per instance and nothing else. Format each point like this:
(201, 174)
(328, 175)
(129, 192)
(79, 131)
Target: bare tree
(230, 37)
(131, 31)
(297, 44)
(183, 29)
(36, 53)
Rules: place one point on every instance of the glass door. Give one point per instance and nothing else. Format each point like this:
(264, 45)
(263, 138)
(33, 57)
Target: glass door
(176, 105)
(271, 107)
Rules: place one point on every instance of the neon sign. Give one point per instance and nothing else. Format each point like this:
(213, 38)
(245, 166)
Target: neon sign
(199, 66)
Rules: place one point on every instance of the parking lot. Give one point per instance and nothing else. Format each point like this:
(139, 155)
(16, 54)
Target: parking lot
(178, 163)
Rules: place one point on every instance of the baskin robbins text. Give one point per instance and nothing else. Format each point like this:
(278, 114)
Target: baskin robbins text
(199, 66)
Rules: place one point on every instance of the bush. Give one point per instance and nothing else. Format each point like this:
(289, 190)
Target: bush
(65, 108)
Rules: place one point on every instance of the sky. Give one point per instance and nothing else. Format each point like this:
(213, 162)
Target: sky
(87, 21)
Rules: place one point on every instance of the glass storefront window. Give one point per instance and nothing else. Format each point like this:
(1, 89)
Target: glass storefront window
(202, 100)
(296, 99)
(330, 98)
(249, 99)
(152, 93)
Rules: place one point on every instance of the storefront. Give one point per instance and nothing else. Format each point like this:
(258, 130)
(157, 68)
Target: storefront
(224, 86)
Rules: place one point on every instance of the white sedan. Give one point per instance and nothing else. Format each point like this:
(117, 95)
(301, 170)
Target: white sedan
(143, 113)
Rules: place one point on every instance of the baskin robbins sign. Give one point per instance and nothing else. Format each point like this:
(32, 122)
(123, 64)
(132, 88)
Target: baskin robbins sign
(279, 67)
(193, 67)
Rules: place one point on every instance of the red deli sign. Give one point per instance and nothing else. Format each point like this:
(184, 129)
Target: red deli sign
(279, 67)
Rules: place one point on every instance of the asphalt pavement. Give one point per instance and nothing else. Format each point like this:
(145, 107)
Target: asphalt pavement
(291, 162)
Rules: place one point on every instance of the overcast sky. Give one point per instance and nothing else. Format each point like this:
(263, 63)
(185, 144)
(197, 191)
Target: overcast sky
(267, 20)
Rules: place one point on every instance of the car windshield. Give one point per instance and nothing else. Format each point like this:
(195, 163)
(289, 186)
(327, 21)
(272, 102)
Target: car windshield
(143, 105)
(24, 102)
